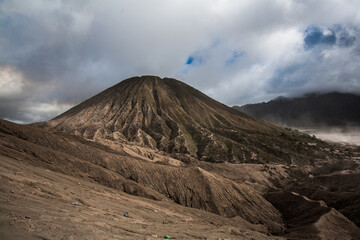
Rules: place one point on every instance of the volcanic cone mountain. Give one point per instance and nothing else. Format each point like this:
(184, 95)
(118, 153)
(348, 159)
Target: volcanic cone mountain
(170, 116)
(133, 132)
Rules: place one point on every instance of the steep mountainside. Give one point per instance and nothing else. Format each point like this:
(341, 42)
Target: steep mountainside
(312, 110)
(170, 116)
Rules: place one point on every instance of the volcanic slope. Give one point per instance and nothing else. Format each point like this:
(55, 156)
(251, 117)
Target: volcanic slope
(44, 171)
(170, 116)
(92, 162)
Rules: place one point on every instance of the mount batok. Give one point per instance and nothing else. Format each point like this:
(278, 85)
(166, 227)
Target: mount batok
(172, 117)
(180, 163)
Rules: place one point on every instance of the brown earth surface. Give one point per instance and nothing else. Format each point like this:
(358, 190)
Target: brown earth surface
(37, 203)
(310, 219)
(44, 172)
(28, 147)
(190, 186)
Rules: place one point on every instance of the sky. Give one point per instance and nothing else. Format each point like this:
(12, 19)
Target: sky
(55, 54)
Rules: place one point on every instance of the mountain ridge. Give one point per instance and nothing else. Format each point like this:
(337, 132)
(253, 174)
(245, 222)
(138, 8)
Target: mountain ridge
(172, 117)
(333, 109)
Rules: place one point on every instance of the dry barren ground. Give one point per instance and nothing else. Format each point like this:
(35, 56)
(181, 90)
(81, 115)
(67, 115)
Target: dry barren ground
(37, 203)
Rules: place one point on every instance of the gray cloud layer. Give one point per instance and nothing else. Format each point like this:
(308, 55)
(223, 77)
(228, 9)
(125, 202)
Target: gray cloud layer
(54, 54)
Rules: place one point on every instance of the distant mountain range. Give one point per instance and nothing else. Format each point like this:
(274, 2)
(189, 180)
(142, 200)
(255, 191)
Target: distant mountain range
(309, 111)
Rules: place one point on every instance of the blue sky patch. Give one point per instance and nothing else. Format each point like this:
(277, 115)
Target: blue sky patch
(194, 60)
(190, 60)
(315, 36)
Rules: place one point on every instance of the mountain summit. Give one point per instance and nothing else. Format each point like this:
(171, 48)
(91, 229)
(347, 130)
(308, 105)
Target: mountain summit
(170, 116)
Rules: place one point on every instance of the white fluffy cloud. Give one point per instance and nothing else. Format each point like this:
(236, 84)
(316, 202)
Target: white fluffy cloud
(11, 81)
(235, 51)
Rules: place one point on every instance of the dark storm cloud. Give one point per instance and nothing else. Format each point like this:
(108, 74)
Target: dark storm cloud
(54, 54)
(346, 36)
(10, 110)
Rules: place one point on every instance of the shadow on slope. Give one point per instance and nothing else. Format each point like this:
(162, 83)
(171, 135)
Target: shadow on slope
(168, 115)
(189, 186)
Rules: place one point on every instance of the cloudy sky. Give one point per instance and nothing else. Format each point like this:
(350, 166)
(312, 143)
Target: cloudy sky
(55, 54)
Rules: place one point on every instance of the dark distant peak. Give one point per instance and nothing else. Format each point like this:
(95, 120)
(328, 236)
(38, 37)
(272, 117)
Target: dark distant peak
(312, 95)
(280, 98)
(310, 110)
(328, 94)
(336, 94)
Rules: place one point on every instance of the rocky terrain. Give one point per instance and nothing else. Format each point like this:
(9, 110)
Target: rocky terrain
(132, 149)
(170, 116)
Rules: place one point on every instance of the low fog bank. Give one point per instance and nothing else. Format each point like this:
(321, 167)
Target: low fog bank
(339, 135)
